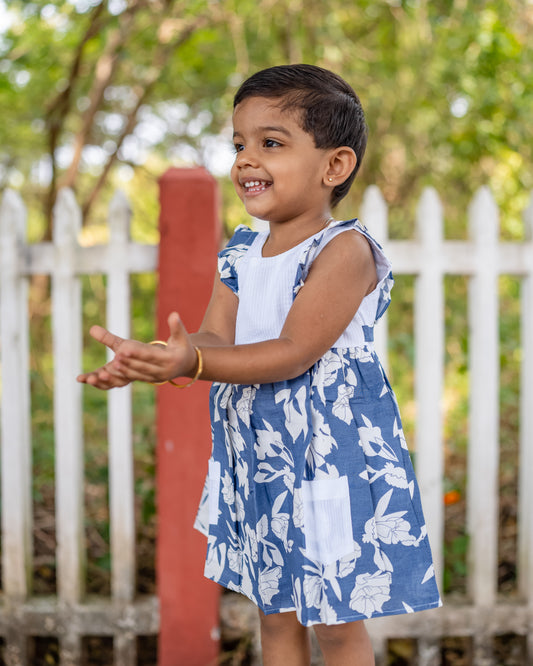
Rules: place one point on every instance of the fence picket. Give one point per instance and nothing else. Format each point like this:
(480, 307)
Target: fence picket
(525, 487)
(16, 447)
(121, 484)
(429, 368)
(66, 332)
(483, 447)
(16, 443)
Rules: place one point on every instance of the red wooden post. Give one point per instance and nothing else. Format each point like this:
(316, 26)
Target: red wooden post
(190, 232)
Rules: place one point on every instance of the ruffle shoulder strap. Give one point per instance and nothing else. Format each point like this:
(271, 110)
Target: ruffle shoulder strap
(230, 256)
(383, 265)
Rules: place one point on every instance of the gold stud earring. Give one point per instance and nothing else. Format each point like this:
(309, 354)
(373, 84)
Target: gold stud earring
(330, 180)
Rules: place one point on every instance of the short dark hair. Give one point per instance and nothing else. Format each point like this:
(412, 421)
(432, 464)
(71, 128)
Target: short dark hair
(330, 110)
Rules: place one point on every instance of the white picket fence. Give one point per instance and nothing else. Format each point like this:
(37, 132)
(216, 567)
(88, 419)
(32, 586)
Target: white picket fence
(70, 615)
(483, 258)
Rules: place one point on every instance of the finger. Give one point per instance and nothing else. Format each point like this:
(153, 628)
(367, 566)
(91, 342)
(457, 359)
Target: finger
(135, 369)
(178, 332)
(104, 377)
(105, 381)
(125, 364)
(133, 353)
(107, 338)
(84, 377)
(92, 379)
(131, 374)
(107, 372)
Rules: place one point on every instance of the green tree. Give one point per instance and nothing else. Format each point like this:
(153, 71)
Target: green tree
(87, 86)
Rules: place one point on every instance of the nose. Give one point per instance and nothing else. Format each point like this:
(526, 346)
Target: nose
(246, 157)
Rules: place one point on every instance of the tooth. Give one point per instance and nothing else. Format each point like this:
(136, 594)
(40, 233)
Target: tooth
(255, 183)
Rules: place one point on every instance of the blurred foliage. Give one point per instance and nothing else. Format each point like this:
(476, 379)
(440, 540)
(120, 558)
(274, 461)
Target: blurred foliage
(94, 93)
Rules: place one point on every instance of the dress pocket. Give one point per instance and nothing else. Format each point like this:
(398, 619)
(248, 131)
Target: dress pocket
(327, 519)
(214, 490)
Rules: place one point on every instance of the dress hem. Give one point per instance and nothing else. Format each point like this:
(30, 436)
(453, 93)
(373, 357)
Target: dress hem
(343, 620)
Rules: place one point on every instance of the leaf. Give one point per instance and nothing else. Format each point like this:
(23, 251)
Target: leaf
(383, 504)
(278, 502)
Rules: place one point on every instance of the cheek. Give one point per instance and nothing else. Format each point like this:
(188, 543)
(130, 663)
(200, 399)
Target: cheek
(235, 179)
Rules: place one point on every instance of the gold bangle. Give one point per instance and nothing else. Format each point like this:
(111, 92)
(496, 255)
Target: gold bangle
(165, 344)
(197, 374)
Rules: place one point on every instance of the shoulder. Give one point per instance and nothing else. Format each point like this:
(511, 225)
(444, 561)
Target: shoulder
(348, 241)
(349, 254)
(365, 241)
(347, 250)
(345, 241)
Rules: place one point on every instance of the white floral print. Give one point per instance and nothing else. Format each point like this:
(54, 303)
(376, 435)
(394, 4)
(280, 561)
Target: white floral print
(341, 406)
(245, 404)
(394, 476)
(228, 490)
(294, 410)
(370, 592)
(269, 583)
(372, 441)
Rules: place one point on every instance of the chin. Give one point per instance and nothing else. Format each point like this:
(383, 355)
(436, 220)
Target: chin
(258, 214)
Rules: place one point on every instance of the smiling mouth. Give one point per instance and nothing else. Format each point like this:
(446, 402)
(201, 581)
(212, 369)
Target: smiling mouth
(256, 186)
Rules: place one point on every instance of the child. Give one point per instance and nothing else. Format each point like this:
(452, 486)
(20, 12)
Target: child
(311, 507)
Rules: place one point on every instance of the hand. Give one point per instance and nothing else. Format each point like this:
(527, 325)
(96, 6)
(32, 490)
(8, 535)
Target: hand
(103, 378)
(143, 362)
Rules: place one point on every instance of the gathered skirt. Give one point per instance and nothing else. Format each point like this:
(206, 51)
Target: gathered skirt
(311, 503)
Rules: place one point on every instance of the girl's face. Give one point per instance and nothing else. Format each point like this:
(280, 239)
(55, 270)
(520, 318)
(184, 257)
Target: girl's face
(278, 172)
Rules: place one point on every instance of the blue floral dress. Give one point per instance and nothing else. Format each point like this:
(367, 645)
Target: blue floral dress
(311, 503)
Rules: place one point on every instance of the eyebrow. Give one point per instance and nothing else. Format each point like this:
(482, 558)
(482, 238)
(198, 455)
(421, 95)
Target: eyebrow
(269, 128)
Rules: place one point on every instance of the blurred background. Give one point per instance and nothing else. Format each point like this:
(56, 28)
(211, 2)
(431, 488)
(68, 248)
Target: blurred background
(104, 95)
(95, 95)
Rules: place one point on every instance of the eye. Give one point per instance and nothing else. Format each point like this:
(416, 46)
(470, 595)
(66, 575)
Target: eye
(237, 147)
(272, 143)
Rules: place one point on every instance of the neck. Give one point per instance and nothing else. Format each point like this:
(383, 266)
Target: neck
(283, 236)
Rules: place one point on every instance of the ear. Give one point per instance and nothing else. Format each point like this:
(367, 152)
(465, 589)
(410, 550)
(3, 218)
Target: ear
(340, 165)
